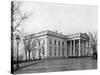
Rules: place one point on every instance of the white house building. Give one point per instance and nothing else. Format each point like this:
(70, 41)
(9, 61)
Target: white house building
(54, 44)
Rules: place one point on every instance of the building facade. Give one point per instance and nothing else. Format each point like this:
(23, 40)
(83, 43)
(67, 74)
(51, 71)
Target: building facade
(54, 44)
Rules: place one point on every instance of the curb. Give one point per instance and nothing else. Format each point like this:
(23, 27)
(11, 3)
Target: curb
(28, 65)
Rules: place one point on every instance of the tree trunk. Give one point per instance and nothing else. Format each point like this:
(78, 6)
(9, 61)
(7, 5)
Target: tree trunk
(29, 54)
(43, 51)
(33, 53)
(40, 54)
(26, 54)
(25, 49)
(12, 61)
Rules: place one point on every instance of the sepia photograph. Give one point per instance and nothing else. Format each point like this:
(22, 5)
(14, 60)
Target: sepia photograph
(53, 37)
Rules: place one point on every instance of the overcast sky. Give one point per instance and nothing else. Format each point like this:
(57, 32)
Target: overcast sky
(65, 18)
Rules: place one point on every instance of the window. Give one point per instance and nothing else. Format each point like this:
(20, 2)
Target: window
(43, 41)
(55, 51)
(59, 42)
(62, 51)
(50, 51)
(55, 42)
(62, 43)
(50, 41)
(39, 42)
(59, 51)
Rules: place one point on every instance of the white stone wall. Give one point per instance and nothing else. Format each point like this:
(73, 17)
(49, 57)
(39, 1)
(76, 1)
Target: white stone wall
(53, 38)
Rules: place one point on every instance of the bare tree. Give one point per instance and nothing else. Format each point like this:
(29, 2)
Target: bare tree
(93, 41)
(42, 47)
(30, 45)
(17, 15)
(17, 18)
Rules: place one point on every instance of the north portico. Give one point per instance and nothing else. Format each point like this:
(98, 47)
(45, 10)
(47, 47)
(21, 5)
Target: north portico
(78, 45)
(60, 45)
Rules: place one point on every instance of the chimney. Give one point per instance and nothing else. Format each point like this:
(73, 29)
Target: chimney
(61, 33)
(56, 31)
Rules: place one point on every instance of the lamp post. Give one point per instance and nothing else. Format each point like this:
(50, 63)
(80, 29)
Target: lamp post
(17, 39)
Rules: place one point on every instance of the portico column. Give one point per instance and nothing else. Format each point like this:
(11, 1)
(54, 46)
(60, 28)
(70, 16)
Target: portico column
(88, 49)
(66, 50)
(82, 51)
(73, 47)
(83, 47)
(52, 51)
(60, 51)
(56, 51)
(79, 47)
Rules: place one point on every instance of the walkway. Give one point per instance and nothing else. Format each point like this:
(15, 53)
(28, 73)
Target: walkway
(60, 65)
